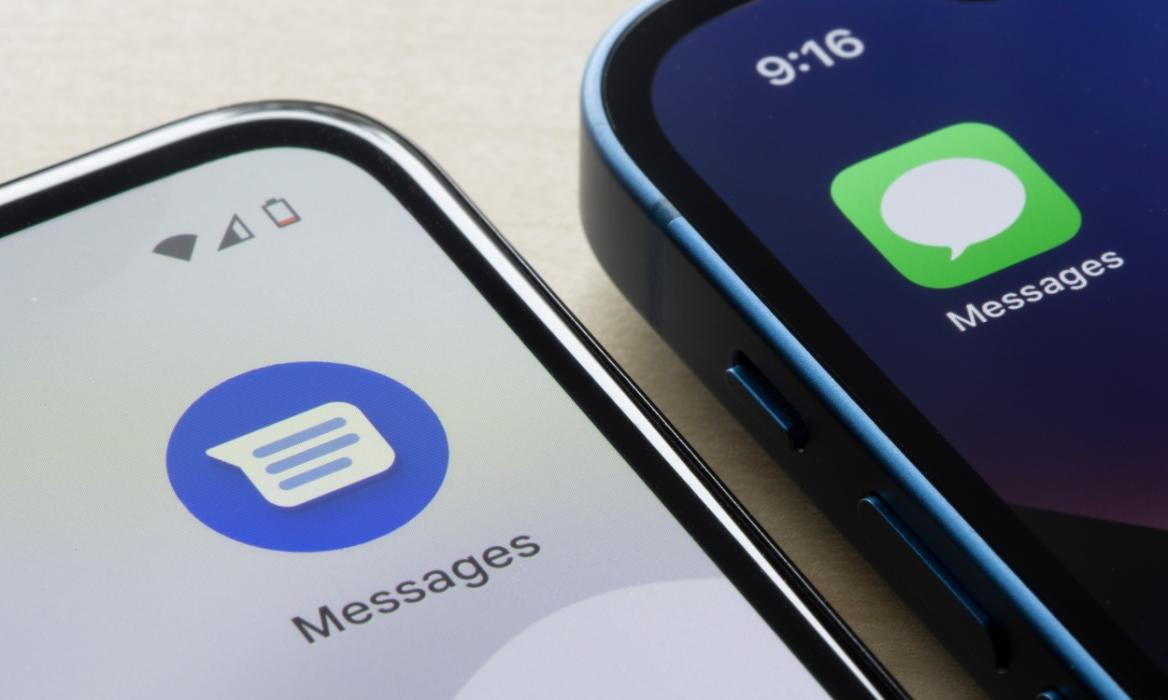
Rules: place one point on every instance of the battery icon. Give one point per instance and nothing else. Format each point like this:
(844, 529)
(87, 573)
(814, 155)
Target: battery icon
(280, 212)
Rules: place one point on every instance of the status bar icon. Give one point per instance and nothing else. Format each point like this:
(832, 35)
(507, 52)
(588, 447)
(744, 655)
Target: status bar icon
(280, 212)
(237, 232)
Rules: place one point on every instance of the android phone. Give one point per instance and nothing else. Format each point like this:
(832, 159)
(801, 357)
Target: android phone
(916, 247)
(284, 416)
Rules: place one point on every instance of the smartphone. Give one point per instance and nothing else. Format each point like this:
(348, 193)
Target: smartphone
(284, 416)
(916, 248)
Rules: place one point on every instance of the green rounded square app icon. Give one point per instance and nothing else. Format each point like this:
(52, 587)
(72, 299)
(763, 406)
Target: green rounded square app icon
(955, 205)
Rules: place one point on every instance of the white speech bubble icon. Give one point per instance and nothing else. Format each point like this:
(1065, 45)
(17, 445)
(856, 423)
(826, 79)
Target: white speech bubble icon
(953, 203)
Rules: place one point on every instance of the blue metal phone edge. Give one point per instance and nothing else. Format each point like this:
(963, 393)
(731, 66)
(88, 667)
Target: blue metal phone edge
(599, 130)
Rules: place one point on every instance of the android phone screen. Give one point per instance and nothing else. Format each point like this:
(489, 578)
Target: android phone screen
(974, 192)
(262, 438)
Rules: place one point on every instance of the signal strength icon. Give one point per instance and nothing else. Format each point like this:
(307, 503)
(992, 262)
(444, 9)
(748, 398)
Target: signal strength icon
(237, 232)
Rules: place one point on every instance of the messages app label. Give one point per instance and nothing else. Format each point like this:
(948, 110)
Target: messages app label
(955, 205)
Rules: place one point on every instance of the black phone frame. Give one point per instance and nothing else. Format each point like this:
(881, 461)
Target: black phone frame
(282, 130)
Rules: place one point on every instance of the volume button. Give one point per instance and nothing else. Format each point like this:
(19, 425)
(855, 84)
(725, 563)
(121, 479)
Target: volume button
(744, 373)
(916, 573)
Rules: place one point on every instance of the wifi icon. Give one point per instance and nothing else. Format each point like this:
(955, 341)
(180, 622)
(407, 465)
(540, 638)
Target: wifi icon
(182, 246)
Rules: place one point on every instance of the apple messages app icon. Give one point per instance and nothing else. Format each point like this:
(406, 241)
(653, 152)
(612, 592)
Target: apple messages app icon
(955, 205)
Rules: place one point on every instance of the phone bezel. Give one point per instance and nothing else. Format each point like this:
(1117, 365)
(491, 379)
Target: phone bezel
(775, 589)
(625, 90)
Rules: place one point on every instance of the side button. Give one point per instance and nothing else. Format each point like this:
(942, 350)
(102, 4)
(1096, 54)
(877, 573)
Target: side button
(918, 576)
(748, 377)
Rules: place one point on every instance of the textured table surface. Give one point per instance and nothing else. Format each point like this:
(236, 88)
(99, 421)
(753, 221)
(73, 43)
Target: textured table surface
(490, 90)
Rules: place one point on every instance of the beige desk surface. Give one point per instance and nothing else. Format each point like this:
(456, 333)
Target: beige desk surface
(490, 89)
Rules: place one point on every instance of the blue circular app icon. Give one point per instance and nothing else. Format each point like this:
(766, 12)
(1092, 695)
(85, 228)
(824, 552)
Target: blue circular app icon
(307, 456)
